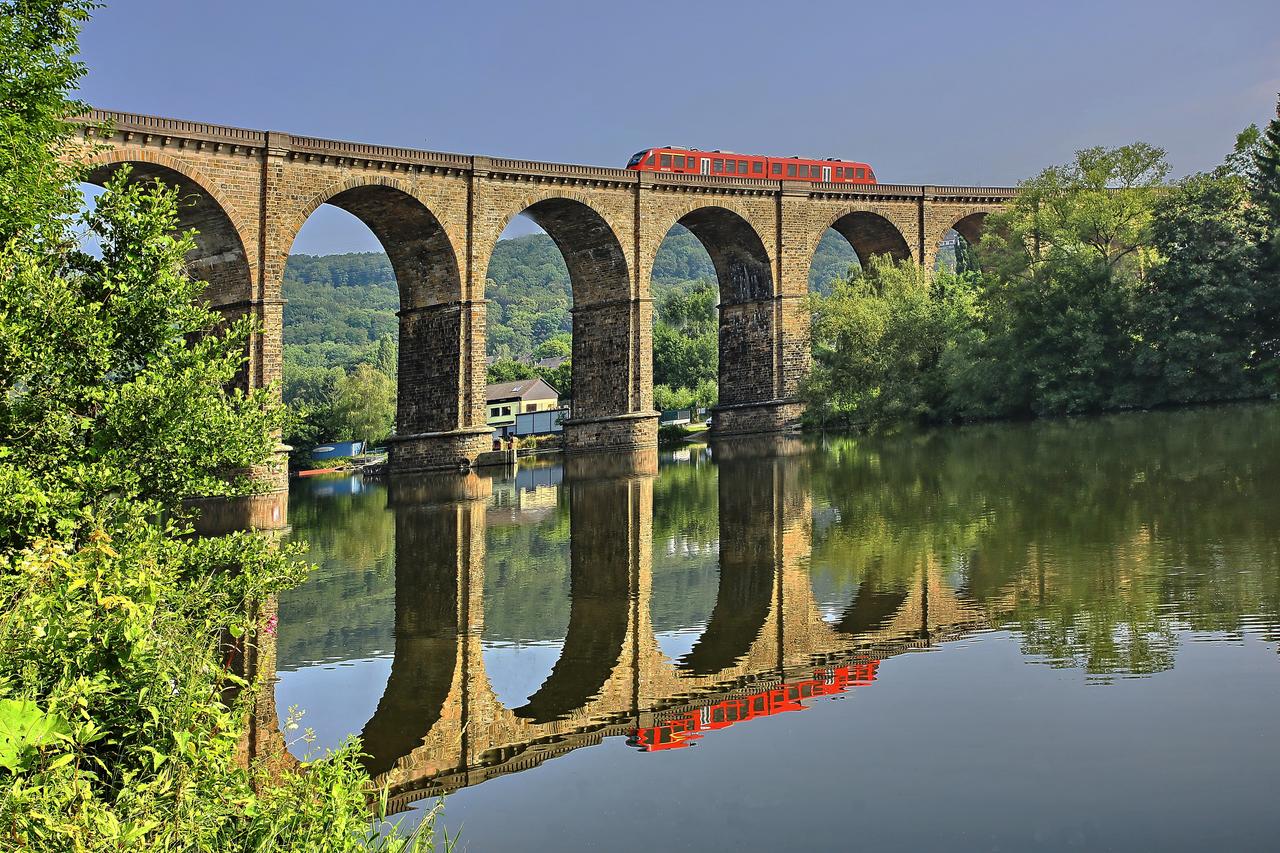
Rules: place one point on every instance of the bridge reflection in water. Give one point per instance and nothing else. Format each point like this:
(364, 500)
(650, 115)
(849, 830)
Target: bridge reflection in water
(765, 649)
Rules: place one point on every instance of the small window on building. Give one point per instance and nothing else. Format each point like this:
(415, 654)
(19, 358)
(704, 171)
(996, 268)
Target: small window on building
(729, 167)
(777, 168)
(506, 410)
(717, 166)
(532, 407)
(493, 411)
(679, 161)
(666, 161)
(742, 167)
(791, 170)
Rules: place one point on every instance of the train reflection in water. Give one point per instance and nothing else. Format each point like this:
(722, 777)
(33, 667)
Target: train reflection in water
(682, 730)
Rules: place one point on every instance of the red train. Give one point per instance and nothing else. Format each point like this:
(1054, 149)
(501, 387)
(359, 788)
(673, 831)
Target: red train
(679, 732)
(689, 161)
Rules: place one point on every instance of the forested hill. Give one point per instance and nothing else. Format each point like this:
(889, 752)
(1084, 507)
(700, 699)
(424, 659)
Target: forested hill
(339, 306)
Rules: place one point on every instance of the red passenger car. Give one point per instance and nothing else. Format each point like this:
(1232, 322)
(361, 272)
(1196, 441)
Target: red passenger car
(689, 161)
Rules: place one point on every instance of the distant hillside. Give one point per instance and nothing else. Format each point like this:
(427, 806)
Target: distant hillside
(339, 306)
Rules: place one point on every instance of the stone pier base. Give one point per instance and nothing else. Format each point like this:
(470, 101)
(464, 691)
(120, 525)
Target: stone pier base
(629, 432)
(438, 451)
(756, 418)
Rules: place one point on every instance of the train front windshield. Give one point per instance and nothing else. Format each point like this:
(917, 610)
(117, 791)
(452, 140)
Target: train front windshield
(635, 159)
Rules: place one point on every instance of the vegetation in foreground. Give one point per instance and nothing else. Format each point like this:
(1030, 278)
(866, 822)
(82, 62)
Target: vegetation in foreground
(116, 730)
(1100, 288)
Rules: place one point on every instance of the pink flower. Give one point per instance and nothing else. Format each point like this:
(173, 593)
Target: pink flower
(270, 628)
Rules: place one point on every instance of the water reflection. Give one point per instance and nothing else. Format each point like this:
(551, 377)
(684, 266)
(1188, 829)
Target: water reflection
(527, 615)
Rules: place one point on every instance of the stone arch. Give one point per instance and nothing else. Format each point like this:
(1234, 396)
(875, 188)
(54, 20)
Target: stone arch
(869, 234)
(219, 257)
(433, 318)
(609, 339)
(971, 226)
(745, 275)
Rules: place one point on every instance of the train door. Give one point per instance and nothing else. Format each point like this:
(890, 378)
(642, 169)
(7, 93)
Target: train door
(826, 174)
(706, 166)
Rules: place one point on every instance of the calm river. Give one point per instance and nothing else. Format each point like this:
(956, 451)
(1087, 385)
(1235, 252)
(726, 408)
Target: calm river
(1057, 636)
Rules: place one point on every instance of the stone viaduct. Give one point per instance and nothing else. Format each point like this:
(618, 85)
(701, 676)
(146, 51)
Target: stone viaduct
(438, 216)
(439, 724)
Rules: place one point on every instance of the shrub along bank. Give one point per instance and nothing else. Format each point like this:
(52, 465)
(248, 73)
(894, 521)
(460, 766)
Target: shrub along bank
(1101, 287)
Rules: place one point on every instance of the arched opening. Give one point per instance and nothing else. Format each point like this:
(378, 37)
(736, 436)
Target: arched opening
(428, 544)
(602, 566)
(218, 257)
(870, 234)
(373, 325)
(749, 528)
(335, 641)
(529, 320)
(686, 328)
(746, 338)
(686, 555)
(955, 252)
(834, 260)
(603, 322)
(527, 583)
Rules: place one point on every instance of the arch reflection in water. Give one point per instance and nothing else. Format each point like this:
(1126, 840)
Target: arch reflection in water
(902, 542)
(440, 722)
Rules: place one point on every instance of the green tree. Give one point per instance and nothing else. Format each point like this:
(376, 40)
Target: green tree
(363, 406)
(509, 370)
(1063, 268)
(560, 378)
(560, 345)
(1196, 315)
(1265, 191)
(882, 341)
(113, 410)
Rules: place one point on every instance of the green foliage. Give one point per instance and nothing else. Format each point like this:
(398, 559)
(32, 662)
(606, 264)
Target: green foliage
(37, 67)
(1099, 288)
(509, 370)
(883, 343)
(121, 716)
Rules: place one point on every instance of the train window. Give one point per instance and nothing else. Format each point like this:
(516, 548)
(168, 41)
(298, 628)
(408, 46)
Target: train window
(777, 168)
(679, 161)
(839, 172)
(804, 171)
(729, 167)
(650, 161)
(862, 173)
(666, 161)
(717, 166)
(757, 168)
(791, 170)
(742, 167)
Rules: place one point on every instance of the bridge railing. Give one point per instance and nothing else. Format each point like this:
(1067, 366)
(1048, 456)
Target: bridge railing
(176, 127)
(361, 150)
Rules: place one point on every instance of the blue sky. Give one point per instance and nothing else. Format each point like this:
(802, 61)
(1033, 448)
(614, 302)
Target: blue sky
(977, 92)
